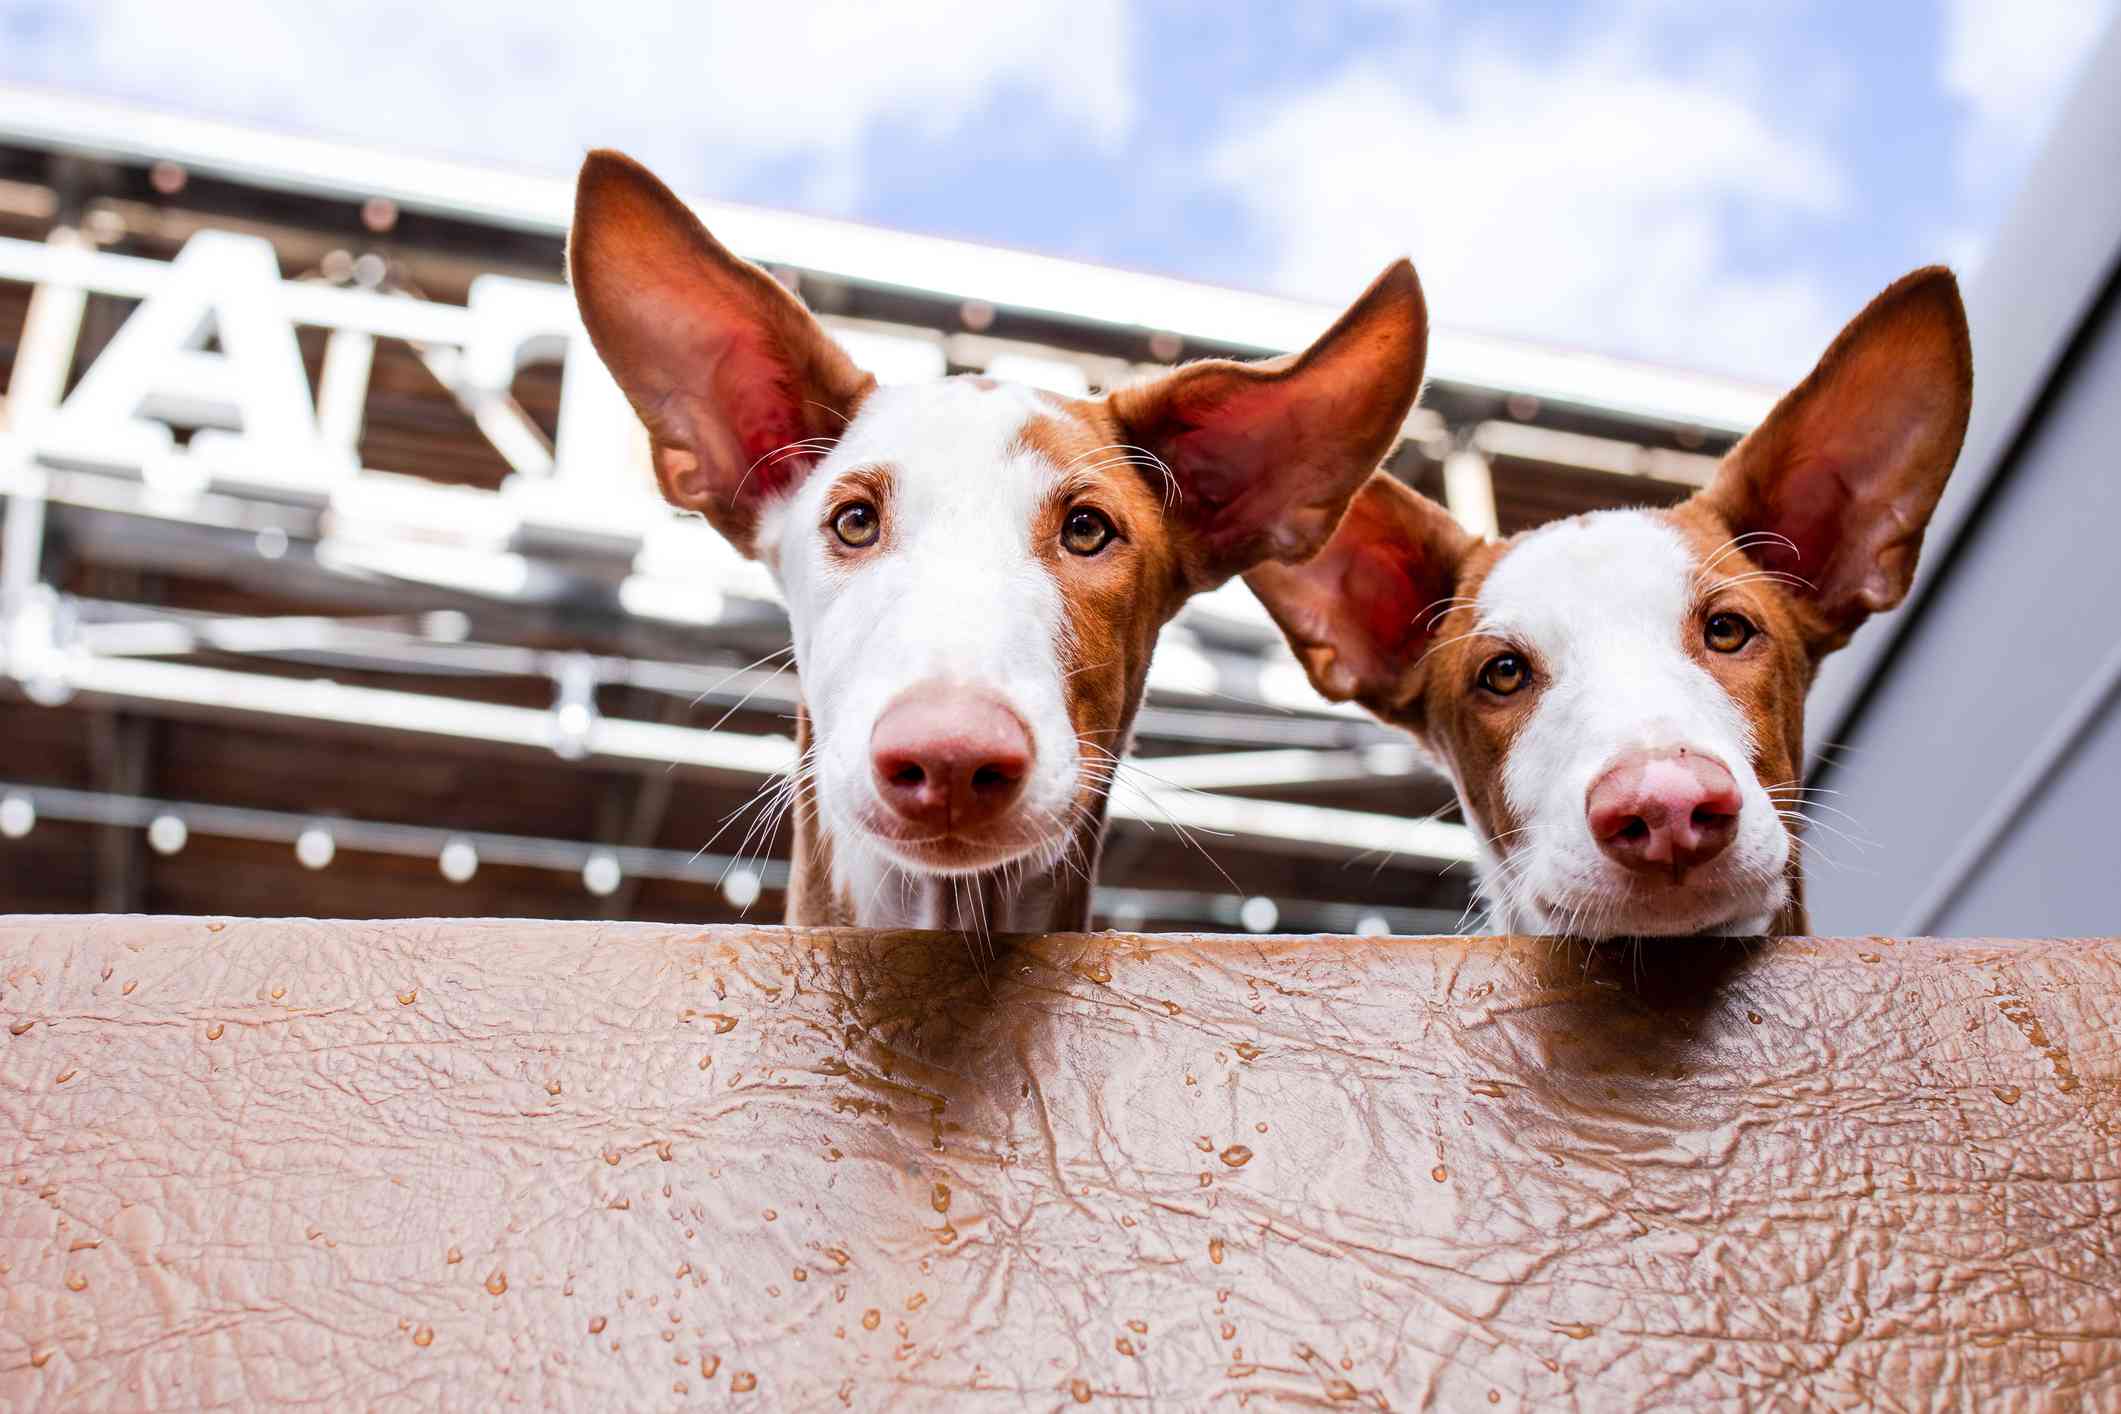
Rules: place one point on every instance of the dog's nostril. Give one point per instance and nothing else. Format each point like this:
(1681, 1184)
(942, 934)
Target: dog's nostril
(1708, 817)
(909, 774)
(1636, 828)
(988, 777)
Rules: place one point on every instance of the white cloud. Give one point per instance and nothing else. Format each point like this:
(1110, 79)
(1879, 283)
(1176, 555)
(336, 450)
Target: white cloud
(710, 92)
(1589, 200)
(2012, 63)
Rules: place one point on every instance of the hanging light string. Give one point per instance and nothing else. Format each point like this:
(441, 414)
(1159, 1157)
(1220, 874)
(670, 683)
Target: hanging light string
(317, 841)
(459, 854)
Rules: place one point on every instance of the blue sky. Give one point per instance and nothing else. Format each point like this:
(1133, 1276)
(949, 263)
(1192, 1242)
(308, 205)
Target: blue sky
(1713, 183)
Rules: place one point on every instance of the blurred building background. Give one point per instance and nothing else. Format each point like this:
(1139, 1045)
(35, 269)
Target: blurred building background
(336, 585)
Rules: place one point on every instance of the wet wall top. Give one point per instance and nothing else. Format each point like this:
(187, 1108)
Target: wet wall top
(249, 1163)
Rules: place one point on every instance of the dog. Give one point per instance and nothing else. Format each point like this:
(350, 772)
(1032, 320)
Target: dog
(1619, 696)
(975, 572)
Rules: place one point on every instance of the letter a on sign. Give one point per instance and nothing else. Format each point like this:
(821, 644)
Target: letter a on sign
(159, 370)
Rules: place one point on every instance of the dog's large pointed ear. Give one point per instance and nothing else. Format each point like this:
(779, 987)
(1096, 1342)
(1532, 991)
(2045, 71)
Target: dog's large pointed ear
(1363, 613)
(1838, 484)
(740, 388)
(1265, 456)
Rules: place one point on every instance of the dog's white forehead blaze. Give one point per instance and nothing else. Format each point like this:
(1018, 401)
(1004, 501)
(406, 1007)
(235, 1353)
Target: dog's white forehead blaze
(1569, 584)
(956, 590)
(1604, 603)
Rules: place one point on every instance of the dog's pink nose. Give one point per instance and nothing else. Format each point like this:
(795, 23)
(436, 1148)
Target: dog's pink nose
(949, 758)
(1664, 812)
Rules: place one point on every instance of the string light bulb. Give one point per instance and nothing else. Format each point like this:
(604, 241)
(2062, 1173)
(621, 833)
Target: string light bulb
(741, 888)
(601, 873)
(314, 847)
(459, 861)
(18, 815)
(166, 834)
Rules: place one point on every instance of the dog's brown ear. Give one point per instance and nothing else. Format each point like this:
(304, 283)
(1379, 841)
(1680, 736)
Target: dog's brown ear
(740, 388)
(1364, 611)
(1838, 484)
(1265, 456)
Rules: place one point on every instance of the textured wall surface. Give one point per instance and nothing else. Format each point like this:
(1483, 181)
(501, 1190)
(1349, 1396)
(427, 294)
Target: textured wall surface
(341, 1165)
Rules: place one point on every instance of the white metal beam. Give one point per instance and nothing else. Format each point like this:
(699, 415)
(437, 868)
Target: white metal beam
(1288, 766)
(1310, 828)
(1608, 454)
(1469, 492)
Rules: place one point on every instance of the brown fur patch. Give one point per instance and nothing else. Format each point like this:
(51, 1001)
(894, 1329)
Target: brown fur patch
(1116, 601)
(1771, 676)
(813, 900)
(1463, 725)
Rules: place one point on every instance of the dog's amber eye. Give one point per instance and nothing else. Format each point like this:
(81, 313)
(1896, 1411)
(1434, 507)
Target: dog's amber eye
(1727, 632)
(856, 524)
(1505, 673)
(1085, 532)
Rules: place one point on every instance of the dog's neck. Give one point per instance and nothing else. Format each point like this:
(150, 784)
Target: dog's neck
(1051, 900)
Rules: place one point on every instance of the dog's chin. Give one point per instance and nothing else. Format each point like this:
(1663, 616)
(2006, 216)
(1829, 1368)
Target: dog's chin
(1632, 907)
(954, 855)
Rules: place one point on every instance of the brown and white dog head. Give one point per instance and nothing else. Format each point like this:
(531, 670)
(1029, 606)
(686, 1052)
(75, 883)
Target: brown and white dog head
(975, 572)
(1619, 696)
